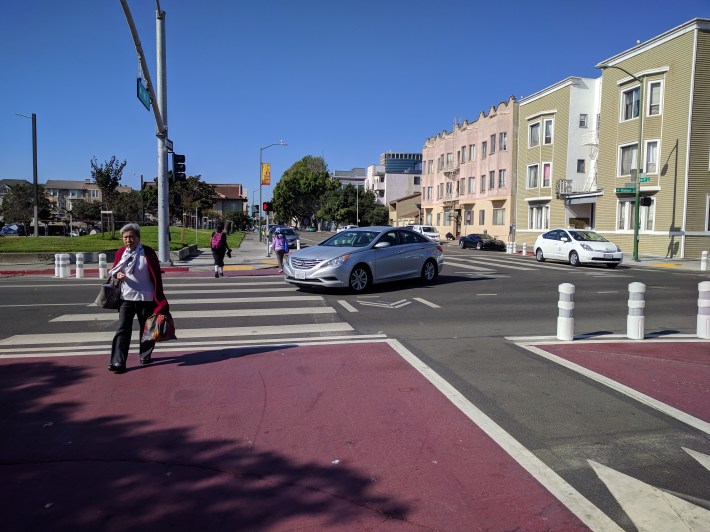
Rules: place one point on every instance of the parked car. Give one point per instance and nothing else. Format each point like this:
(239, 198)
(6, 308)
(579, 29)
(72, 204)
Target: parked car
(481, 241)
(426, 230)
(347, 227)
(357, 258)
(577, 247)
(291, 236)
(311, 229)
(12, 230)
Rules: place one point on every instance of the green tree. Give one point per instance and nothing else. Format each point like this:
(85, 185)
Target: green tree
(107, 177)
(18, 205)
(300, 191)
(127, 206)
(238, 218)
(345, 204)
(188, 195)
(150, 197)
(86, 211)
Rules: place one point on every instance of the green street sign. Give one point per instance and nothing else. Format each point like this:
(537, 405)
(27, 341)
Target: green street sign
(645, 179)
(625, 190)
(143, 94)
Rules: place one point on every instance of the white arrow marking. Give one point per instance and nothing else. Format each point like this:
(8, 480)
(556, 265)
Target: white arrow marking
(425, 302)
(702, 458)
(651, 508)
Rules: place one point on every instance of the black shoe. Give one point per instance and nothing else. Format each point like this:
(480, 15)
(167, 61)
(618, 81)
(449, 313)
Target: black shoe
(148, 360)
(117, 369)
(216, 275)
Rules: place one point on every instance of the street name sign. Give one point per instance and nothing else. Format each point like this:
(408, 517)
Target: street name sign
(625, 190)
(143, 94)
(645, 179)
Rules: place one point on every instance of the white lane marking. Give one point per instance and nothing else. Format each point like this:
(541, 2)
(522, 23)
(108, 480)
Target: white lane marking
(225, 332)
(239, 290)
(244, 300)
(533, 264)
(46, 305)
(486, 294)
(642, 398)
(589, 514)
(425, 302)
(608, 292)
(508, 266)
(225, 313)
(700, 457)
(467, 266)
(649, 507)
(347, 306)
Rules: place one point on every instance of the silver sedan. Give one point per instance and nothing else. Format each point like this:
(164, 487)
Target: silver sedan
(357, 258)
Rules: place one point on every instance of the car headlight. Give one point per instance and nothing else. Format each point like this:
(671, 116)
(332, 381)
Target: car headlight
(337, 261)
(586, 247)
(618, 249)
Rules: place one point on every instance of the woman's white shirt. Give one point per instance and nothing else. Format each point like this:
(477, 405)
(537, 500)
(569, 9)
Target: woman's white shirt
(138, 284)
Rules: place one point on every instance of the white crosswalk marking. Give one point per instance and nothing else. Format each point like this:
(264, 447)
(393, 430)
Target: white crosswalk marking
(230, 313)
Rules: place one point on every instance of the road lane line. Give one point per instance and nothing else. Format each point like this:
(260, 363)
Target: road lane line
(225, 313)
(347, 306)
(464, 265)
(425, 302)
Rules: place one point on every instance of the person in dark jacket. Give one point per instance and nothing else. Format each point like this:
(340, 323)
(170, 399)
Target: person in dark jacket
(218, 243)
(138, 268)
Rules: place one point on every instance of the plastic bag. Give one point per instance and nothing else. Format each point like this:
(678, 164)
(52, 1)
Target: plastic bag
(159, 328)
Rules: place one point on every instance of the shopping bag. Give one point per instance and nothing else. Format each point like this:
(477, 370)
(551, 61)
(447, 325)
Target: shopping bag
(109, 294)
(159, 328)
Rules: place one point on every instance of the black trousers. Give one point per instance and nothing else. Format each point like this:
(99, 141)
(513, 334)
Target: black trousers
(122, 340)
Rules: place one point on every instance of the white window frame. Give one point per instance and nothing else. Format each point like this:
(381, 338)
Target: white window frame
(539, 216)
(501, 178)
(503, 141)
(473, 152)
(551, 123)
(651, 84)
(482, 217)
(467, 216)
(528, 184)
(483, 183)
(498, 216)
(491, 180)
(531, 127)
(634, 104)
(542, 175)
(581, 166)
(583, 120)
(647, 156)
(484, 149)
(493, 144)
(471, 185)
(428, 218)
(634, 154)
(625, 212)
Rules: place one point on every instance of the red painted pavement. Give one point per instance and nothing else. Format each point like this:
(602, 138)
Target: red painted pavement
(346, 437)
(675, 373)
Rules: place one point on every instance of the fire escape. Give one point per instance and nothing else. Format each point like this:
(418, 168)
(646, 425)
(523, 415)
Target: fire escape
(450, 199)
(587, 184)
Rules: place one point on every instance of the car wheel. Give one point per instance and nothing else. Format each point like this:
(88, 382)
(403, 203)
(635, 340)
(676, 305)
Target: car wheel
(462, 244)
(429, 271)
(479, 246)
(359, 279)
(539, 256)
(574, 258)
(612, 265)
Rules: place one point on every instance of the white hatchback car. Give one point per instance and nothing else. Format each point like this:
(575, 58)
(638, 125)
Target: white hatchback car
(577, 246)
(426, 230)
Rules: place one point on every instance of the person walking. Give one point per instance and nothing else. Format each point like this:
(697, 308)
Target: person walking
(218, 243)
(280, 246)
(138, 268)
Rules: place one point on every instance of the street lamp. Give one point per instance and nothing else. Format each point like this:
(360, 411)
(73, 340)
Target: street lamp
(638, 157)
(34, 170)
(261, 164)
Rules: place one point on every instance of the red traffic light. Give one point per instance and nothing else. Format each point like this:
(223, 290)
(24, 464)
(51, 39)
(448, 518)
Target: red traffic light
(267, 206)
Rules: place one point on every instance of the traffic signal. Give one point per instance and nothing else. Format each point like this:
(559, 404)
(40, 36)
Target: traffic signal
(267, 206)
(179, 167)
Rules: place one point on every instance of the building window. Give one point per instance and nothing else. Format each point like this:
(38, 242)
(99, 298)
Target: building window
(580, 166)
(630, 104)
(481, 217)
(472, 151)
(501, 178)
(498, 216)
(483, 183)
(467, 216)
(449, 158)
(447, 217)
(431, 166)
(503, 141)
(463, 154)
(484, 149)
(471, 185)
(534, 135)
(449, 189)
(546, 174)
(462, 186)
(539, 217)
(627, 159)
(417, 180)
(493, 144)
(651, 157)
(583, 120)
(428, 218)
(548, 131)
(625, 215)
(491, 180)
(532, 176)
(655, 97)
(438, 218)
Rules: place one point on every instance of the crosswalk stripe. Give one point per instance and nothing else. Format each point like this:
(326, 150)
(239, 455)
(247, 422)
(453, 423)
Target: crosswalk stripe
(449, 262)
(467, 265)
(207, 314)
(215, 332)
(239, 290)
(243, 300)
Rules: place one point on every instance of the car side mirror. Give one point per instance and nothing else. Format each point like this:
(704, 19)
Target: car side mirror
(381, 245)
(564, 239)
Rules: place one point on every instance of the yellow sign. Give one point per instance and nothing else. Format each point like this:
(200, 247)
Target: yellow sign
(265, 173)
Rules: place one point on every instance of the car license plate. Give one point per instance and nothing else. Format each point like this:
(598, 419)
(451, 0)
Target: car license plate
(300, 274)
(608, 256)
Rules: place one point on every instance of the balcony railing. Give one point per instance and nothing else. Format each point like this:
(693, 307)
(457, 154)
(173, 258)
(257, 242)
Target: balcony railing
(590, 139)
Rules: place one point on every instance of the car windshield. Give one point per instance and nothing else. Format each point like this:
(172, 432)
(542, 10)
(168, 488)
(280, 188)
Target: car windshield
(587, 236)
(429, 230)
(354, 239)
(288, 232)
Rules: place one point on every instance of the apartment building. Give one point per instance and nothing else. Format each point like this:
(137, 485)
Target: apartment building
(397, 175)
(557, 158)
(469, 174)
(62, 193)
(229, 197)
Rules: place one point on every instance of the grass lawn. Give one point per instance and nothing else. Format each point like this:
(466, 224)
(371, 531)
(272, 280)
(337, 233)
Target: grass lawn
(89, 243)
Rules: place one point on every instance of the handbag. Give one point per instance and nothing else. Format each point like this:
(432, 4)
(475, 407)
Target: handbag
(159, 328)
(109, 294)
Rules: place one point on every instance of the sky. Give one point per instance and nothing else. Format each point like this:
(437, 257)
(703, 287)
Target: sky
(343, 80)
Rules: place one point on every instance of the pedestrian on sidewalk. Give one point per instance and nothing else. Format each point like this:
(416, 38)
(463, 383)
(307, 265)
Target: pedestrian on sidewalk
(280, 245)
(218, 243)
(138, 268)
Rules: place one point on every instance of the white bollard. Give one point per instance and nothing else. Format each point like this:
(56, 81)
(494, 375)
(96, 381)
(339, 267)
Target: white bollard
(103, 273)
(79, 265)
(56, 264)
(704, 310)
(298, 244)
(704, 261)
(63, 265)
(525, 249)
(636, 321)
(515, 248)
(509, 247)
(565, 317)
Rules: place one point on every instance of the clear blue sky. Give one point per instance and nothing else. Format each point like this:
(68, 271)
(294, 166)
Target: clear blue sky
(342, 80)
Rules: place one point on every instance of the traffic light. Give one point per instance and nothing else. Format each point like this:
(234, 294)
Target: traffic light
(267, 206)
(179, 167)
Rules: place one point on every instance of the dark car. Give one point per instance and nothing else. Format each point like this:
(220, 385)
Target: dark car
(481, 241)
